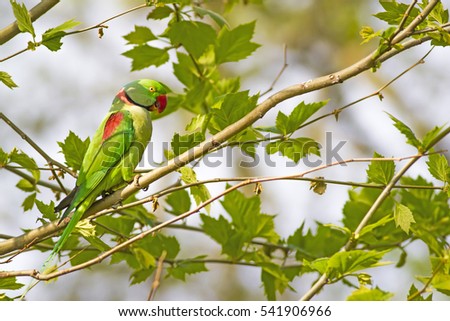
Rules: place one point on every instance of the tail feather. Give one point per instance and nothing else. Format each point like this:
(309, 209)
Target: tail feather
(52, 258)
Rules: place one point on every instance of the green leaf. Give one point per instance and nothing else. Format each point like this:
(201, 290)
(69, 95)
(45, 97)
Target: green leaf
(282, 123)
(23, 18)
(438, 167)
(360, 202)
(144, 56)
(197, 123)
(97, 243)
(74, 149)
(219, 229)
(231, 108)
(431, 135)
(441, 282)
(344, 263)
(26, 186)
(244, 211)
(370, 227)
(180, 269)
(289, 124)
(141, 275)
(28, 202)
(159, 243)
(213, 15)
(380, 172)
(395, 12)
(3, 158)
(186, 71)
(413, 296)
(26, 162)
(319, 265)
(367, 34)
(188, 175)
(403, 217)
(77, 257)
(407, 132)
(247, 141)
(327, 240)
(136, 213)
(439, 14)
(183, 143)
(365, 294)
(274, 280)
(179, 201)
(247, 217)
(268, 129)
(10, 284)
(145, 259)
(160, 13)
(115, 224)
(6, 79)
(139, 36)
(294, 148)
(47, 210)
(52, 37)
(194, 36)
(235, 44)
(199, 192)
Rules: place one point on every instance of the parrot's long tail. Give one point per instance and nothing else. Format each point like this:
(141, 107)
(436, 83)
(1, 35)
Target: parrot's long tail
(52, 258)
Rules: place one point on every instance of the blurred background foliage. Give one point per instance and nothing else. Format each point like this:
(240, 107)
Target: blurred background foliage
(72, 89)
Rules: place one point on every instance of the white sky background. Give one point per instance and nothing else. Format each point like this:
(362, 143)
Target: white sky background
(73, 88)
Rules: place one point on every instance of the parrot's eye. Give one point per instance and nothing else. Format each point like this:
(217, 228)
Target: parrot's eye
(152, 89)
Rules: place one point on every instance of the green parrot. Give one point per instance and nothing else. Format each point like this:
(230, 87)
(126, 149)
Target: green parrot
(114, 151)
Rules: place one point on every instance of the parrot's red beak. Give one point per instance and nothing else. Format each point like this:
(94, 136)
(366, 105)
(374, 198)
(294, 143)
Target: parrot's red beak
(160, 104)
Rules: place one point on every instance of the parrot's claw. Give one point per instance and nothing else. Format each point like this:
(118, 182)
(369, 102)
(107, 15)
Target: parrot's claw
(117, 205)
(136, 182)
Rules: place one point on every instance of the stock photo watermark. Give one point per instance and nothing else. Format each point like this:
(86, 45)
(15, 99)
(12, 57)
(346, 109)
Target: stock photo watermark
(258, 153)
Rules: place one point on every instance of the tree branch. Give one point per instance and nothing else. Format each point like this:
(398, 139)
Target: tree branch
(36, 147)
(99, 25)
(48, 228)
(323, 280)
(256, 114)
(31, 179)
(36, 12)
(216, 140)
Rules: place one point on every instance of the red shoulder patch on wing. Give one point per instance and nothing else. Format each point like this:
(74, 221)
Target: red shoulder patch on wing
(111, 125)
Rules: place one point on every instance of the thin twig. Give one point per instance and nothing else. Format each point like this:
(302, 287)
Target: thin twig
(219, 138)
(283, 68)
(36, 12)
(31, 179)
(27, 246)
(323, 280)
(405, 17)
(157, 278)
(36, 147)
(99, 25)
(102, 23)
(427, 284)
(197, 209)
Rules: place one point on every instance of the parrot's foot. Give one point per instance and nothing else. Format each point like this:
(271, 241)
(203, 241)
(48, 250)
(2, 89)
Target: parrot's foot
(117, 205)
(136, 182)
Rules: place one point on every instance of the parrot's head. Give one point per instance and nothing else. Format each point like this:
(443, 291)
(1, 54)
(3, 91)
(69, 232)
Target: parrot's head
(146, 93)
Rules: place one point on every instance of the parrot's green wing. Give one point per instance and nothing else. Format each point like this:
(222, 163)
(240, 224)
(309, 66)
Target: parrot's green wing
(108, 146)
